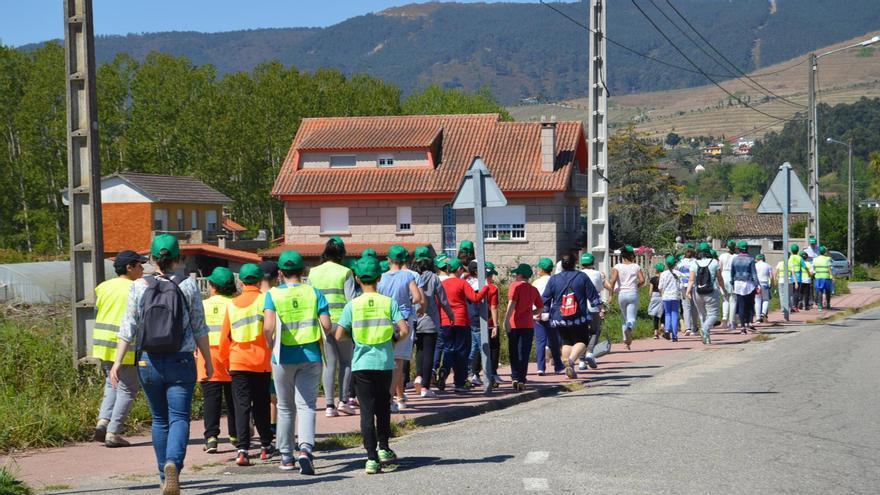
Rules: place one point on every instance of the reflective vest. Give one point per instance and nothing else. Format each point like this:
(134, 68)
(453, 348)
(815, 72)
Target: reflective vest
(111, 304)
(822, 267)
(215, 310)
(329, 278)
(371, 319)
(805, 272)
(297, 308)
(246, 324)
(795, 262)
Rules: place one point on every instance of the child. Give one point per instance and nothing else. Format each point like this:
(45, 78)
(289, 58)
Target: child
(494, 336)
(668, 285)
(522, 309)
(655, 307)
(374, 323)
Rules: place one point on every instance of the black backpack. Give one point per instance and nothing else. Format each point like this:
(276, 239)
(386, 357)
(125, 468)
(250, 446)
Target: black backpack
(162, 316)
(703, 280)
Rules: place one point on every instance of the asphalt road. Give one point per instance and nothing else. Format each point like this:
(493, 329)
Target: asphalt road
(797, 414)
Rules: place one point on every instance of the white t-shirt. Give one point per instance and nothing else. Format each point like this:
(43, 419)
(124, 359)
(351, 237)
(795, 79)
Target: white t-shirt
(668, 285)
(764, 271)
(598, 279)
(628, 276)
(725, 259)
(684, 269)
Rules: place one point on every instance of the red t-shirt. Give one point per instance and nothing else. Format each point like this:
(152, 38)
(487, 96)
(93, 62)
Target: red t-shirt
(492, 297)
(459, 292)
(526, 297)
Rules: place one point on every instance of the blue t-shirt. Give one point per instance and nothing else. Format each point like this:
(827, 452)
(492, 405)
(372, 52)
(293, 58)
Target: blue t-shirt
(297, 354)
(396, 286)
(371, 357)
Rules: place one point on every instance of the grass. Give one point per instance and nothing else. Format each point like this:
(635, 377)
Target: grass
(9, 485)
(340, 441)
(762, 338)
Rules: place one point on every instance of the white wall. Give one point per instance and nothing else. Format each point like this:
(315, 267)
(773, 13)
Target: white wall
(367, 160)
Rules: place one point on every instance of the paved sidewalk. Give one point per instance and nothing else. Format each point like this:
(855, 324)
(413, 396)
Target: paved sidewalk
(78, 464)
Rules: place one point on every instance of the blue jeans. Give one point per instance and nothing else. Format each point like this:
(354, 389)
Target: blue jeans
(475, 358)
(460, 343)
(670, 312)
(519, 347)
(168, 381)
(443, 350)
(547, 336)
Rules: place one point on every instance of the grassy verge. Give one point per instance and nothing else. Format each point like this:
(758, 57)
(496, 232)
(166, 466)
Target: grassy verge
(9, 485)
(352, 440)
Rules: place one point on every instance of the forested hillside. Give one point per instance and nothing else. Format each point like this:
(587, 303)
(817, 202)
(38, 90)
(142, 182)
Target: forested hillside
(525, 50)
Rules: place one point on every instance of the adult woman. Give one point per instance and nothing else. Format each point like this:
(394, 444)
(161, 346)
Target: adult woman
(706, 287)
(627, 276)
(168, 378)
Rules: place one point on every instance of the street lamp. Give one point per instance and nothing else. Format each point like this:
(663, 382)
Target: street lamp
(850, 221)
(813, 131)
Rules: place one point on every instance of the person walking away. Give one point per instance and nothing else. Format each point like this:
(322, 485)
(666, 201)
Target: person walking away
(475, 361)
(221, 290)
(245, 353)
(493, 324)
(457, 329)
(567, 298)
(627, 277)
(688, 308)
(270, 279)
(296, 318)
(442, 350)
(655, 305)
(823, 277)
(400, 285)
(806, 283)
(670, 293)
(428, 322)
(164, 322)
(795, 268)
(588, 262)
(728, 305)
(745, 285)
(765, 280)
(706, 288)
(110, 303)
(337, 284)
(524, 304)
(374, 322)
(546, 337)
(812, 249)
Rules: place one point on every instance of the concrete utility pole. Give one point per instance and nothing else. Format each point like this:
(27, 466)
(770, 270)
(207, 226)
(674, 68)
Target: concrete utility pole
(785, 284)
(597, 141)
(83, 171)
(850, 198)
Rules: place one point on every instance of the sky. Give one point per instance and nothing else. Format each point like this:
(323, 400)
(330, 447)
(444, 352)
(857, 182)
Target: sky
(30, 21)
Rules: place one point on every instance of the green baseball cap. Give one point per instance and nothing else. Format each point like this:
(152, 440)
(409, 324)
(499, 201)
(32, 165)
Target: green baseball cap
(441, 261)
(291, 260)
(490, 268)
(794, 248)
(523, 269)
(368, 269)
(731, 244)
(546, 264)
(812, 239)
(760, 256)
(688, 245)
(222, 277)
(398, 253)
(384, 266)
(370, 252)
(704, 247)
(338, 240)
(670, 259)
(250, 273)
(587, 259)
(454, 264)
(628, 249)
(803, 254)
(713, 253)
(822, 250)
(422, 252)
(742, 245)
(167, 242)
(466, 246)
(659, 267)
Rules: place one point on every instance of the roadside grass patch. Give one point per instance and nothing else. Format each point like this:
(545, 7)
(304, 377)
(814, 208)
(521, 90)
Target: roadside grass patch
(762, 338)
(9, 485)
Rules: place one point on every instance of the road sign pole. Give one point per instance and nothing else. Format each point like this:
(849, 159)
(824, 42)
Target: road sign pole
(785, 284)
(478, 179)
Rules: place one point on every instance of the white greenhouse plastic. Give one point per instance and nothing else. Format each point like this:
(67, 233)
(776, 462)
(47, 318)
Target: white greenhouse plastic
(43, 282)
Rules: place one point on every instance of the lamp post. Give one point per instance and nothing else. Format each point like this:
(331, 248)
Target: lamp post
(813, 132)
(850, 220)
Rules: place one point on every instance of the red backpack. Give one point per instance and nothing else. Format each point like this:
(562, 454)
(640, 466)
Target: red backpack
(569, 307)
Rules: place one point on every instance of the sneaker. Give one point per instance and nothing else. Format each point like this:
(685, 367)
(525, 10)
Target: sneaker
(582, 365)
(688, 333)
(591, 362)
(171, 486)
(242, 459)
(211, 445)
(331, 412)
(417, 384)
(395, 407)
(101, 431)
(475, 380)
(628, 337)
(372, 467)
(495, 384)
(442, 374)
(675, 339)
(461, 390)
(267, 452)
(288, 463)
(346, 408)
(233, 440)
(515, 385)
(427, 393)
(570, 372)
(667, 335)
(113, 441)
(743, 331)
(498, 379)
(306, 464)
(540, 372)
(387, 456)
(353, 402)
(521, 386)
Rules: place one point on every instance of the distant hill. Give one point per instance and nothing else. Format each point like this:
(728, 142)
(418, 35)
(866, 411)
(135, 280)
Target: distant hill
(523, 50)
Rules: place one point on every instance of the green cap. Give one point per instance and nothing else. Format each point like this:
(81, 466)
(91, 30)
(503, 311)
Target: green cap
(794, 248)
(338, 240)
(822, 250)
(812, 239)
(760, 256)
(678, 257)
(454, 264)
(384, 266)
(398, 253)
(705, 247)
(659, 267)
(165, 241)
(587, 259)
(370, 252)
(290, 260)
(222, 277)
(250, 273)
(523, 269)
(713, 253)
(803, 254)
(628, 249)
(546, 264)
(422, 252)
(670, 260)
(688, 245)
(731, 244)
(368, 269)
(742, 245)
(490, 268)
(466, 246)
(441, 261)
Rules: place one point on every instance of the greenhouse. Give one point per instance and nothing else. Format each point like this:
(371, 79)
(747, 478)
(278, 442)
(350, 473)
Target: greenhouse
(35, 283)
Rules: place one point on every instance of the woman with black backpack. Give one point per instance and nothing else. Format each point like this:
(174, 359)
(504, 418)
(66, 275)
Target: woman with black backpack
(165, 320)
(704, 286)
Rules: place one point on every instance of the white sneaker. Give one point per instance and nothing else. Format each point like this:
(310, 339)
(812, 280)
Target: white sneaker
(395, 407)
(475, 380)
(346, 408)
(427, 393)
(499, 379)
(582, 365)
(331, 412)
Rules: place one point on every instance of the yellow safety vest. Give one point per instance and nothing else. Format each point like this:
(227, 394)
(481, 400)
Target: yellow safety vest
(371, 319)
(329, 278)
(297, 308)
(246, 323)
(794, 264)
(215, 310)
(111, 304)
(822, 267)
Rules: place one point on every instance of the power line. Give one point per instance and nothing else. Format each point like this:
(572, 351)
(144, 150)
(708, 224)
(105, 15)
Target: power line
(697, 67)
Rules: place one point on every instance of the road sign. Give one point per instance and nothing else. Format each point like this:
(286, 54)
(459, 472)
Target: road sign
(491, 193)
(774, 200)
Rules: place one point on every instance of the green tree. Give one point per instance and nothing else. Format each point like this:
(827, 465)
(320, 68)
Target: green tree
(747, 179)
(435, 101)
(672, 139)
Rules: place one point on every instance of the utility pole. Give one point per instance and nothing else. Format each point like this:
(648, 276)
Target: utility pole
(851, 224)
(785, 284)
(597, 141)
(83, 171)
(813, 151)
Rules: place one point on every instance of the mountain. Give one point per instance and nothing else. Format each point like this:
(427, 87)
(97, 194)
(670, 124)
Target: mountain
(527, 50)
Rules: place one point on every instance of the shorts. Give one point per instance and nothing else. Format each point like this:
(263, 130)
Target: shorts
(823, 283)
(403, 349)
(573, 335)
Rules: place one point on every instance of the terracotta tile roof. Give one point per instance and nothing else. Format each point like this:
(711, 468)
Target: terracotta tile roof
(233, 226)
(342, 133)
(213, 251)
(313, 249)
(173, 188)
(763, 225)
(511, 150)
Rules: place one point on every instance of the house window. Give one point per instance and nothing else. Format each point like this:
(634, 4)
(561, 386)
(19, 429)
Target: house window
(334, 220)
(160, 219)
(777, 246)
(506, 223)
(211, 220)
(449, 237)
(343, 161)
(194, 220)
(386, 161)
(180, 225)
(404, 219)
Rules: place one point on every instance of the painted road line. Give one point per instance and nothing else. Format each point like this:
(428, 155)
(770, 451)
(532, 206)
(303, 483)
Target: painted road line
(535, 484)
(537, 457)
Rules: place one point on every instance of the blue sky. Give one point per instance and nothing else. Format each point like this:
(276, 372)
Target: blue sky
(28, 21)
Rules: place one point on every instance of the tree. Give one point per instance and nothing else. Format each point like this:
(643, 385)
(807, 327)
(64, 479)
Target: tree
(435, 101)
(747, 179)
(672, 139)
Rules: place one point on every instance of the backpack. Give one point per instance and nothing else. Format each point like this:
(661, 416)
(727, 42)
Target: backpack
(703, 280)
(162, 316)
(569, 304)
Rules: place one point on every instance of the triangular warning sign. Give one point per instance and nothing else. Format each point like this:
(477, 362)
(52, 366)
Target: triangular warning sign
(774, 200)
(492, 195)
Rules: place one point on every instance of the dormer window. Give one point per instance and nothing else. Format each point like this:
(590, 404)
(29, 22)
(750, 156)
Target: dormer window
(343, 161)
(386, 161)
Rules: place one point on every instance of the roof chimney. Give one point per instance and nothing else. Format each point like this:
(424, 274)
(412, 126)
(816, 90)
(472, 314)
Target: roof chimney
(548, 144)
